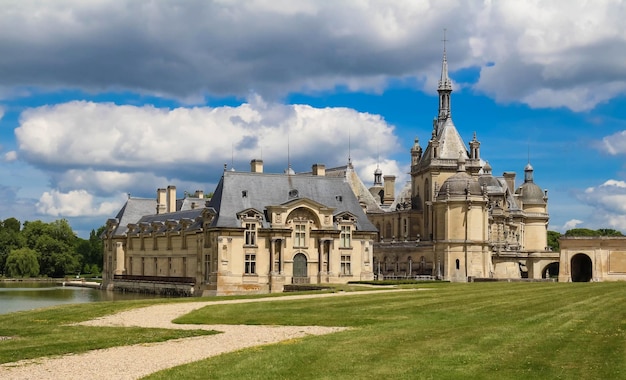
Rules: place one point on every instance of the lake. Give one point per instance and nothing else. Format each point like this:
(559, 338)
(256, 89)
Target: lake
(16, 296)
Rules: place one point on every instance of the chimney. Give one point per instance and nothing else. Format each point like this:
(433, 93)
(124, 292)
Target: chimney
(389, 183)
(509, 177)
(199, 194)
(171, 198)
(319, 170)
(161, 201)
(256, 166)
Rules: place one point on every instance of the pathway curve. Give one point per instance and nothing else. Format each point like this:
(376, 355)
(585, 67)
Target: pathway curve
(136, 361)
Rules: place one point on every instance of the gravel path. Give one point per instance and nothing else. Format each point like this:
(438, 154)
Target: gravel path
(136, 361)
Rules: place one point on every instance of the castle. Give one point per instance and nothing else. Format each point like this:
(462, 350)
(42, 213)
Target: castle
(259, 233)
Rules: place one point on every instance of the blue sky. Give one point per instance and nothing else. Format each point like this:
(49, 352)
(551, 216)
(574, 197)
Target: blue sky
(104, 98)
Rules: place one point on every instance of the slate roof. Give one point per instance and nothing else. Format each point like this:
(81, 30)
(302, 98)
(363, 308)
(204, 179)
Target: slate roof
(262, 190)
(132, 211)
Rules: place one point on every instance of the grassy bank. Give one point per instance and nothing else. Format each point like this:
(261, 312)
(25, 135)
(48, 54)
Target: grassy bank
(452, 331)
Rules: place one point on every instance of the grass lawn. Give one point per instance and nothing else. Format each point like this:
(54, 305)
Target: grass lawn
(45, 332)
(451, 331)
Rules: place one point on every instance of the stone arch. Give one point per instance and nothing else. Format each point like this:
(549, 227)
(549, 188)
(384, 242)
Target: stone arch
(581, 268)
(551, 270)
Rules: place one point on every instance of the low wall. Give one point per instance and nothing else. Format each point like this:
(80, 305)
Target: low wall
(152, 287)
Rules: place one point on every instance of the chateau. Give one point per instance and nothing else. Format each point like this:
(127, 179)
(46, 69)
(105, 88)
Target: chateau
(260, 233)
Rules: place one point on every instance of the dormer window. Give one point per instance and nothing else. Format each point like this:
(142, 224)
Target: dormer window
(250, 234)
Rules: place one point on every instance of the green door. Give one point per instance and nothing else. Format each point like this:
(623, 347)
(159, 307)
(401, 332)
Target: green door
(299, 266)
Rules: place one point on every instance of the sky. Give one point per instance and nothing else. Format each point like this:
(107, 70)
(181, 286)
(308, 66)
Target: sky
(101, 99)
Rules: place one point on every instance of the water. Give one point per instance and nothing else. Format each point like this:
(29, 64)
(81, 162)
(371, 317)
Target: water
(16, 296)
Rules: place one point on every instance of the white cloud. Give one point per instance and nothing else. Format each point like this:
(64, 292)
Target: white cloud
(76, 203)
(570, 224)
(608, 202)
(10, 156)
(615, 143)
(545, 53)
(100, 142)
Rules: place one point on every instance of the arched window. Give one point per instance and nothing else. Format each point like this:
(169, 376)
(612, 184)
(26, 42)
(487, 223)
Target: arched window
(458, 264)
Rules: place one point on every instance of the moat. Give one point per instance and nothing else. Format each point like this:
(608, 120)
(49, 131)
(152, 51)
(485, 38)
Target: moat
(25, 295)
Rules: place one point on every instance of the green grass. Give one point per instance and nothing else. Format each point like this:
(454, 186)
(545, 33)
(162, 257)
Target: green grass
(452, 331)
(45, 332)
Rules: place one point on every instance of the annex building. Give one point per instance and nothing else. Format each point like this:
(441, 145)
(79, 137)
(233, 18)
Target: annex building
(258, 233)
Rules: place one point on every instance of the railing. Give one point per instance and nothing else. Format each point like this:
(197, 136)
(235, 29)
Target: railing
(167, 279)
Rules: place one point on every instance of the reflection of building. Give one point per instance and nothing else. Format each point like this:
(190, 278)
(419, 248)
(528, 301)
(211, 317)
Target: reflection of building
(455, 220)
(592, 259)
(258, 233)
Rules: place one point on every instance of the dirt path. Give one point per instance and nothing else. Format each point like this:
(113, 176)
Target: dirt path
(136, 361)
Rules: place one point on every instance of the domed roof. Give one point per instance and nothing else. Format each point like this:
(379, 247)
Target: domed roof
(530, 193)
(459, 184)
(378, 171)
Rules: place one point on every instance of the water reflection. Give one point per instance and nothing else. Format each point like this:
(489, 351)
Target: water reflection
(16, 296)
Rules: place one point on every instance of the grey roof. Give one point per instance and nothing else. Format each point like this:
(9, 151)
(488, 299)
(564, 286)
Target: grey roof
(263, 190)
(450, 144)
(531, 193)
(132, 211)
(176, 216)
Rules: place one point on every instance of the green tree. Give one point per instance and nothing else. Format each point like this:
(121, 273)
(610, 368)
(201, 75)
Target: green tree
(609, 232)
(581, 232)
(22, 262)
(553, 241)
(10, 238)
(55, 244)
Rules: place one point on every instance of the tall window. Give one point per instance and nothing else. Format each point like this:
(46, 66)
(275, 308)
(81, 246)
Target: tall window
(300, 235)
(250, 264)
(345, 237)
(207, 269)
(250, 234)
(345, 265)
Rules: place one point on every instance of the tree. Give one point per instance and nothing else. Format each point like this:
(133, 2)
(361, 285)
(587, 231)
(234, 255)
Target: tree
(553, 241)
(55, 244)
(609, 232)
(581, 232)
(10, 238)
(22, 262)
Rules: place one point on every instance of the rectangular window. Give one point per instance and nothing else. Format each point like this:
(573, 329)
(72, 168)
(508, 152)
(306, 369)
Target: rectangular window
(345, 265)
(207, 268)
(345, 237)
(250, 234)
(299, 239)
(250, 264)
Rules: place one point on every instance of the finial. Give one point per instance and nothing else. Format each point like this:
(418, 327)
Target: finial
(444, 41)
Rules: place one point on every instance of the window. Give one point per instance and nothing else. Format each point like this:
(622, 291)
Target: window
(207, 268)
(344, 237)
(250, 234)
(250, 264)
(345, 265)
(300, 236)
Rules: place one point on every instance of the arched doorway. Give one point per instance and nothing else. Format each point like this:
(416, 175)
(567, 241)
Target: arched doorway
(581, 268)
(550, 271)
(300, 273)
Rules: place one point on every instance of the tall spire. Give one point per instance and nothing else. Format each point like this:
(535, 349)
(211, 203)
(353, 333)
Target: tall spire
(445, 85)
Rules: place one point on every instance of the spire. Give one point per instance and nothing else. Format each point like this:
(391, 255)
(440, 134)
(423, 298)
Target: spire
(445, 85)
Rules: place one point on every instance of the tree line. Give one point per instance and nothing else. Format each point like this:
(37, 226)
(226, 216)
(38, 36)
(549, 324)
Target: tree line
(47, 249)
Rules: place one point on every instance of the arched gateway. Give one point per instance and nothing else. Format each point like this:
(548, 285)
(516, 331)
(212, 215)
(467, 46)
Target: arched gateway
(581, 268)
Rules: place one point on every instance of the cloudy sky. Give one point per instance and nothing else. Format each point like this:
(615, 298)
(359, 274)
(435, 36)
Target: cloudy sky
(103, 98)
